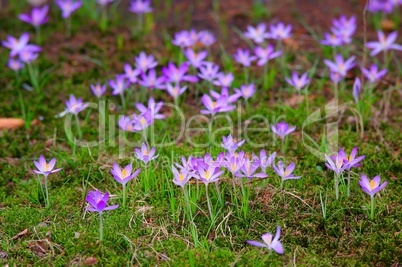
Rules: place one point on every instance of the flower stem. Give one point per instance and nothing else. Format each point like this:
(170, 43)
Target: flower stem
(124, 196)
(372, 208)
(209, 203)
(265, 79)
(38, 35)
(336, 177)
(186, 199)
(33, 77)
(41, 188)
(348, 194)
(123, 101)
(47, 193)
(68, 27)
(246, 75)
(77, 122)
(100, 226)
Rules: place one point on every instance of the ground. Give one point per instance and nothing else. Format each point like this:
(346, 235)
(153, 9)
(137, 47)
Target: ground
(152, 230)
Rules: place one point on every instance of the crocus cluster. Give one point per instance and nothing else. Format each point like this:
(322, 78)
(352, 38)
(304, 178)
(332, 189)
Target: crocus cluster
(21, 52)
(341, 33)
(339, 67)
(383, 6)
(185, 39)
(260, 33)
(262, 54)
(147, 115)
(45, 168)
(342, 162)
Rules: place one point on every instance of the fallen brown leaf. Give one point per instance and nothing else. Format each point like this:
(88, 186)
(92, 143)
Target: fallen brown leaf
(11, 123)
(20, 234)
(90, 261)
(387, 25)
(292, 44)
(294, 100)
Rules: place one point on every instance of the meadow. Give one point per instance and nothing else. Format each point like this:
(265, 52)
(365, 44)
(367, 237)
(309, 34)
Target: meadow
(200, 133)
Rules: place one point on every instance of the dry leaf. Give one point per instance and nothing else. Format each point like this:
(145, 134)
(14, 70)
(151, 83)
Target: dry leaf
(90, 261)
(20, 234)
(387, 25)
(292, 44)
(294, 100)
(39, 248)
(11, 123)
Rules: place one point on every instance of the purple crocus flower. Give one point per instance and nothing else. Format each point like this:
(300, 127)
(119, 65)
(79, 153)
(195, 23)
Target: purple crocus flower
(151, 81)
(193, 36)
(244, 57)
(29, 53)
(154, 108)
(340, 65)
(248, 170)
(335, 77)
(225, 95)
(371, 187)
(75, 105)
(208, 71)
(234, 162)
(279, 31)
(374, 74)
(182, 39)
(352, 161)
(344, 28)
(173, 74)
(331, 39)
(68, 6)
(18, 45)
(208, 174)
(131, 74)
(15, 64)
(195, 59)
(224, 80)
(142, 121)
(231, 144)
(213, 107)
(123, 176)
(140, 6)
(384, 43)
(246, 91)
(180, 178)
(298, 82)
(337, 164)
(282, 129)
(45, 168)
(257, 34)
(97, 201)
(269, 243)
(126, 123)
(104, 2)
(175, 90)
(285, 172)
(206, 38)
(98, 89)
(266, 54)
(145, 154)
(119, 84)
(144, 62)
(37, 17)
(263, 160)
(357, 87)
